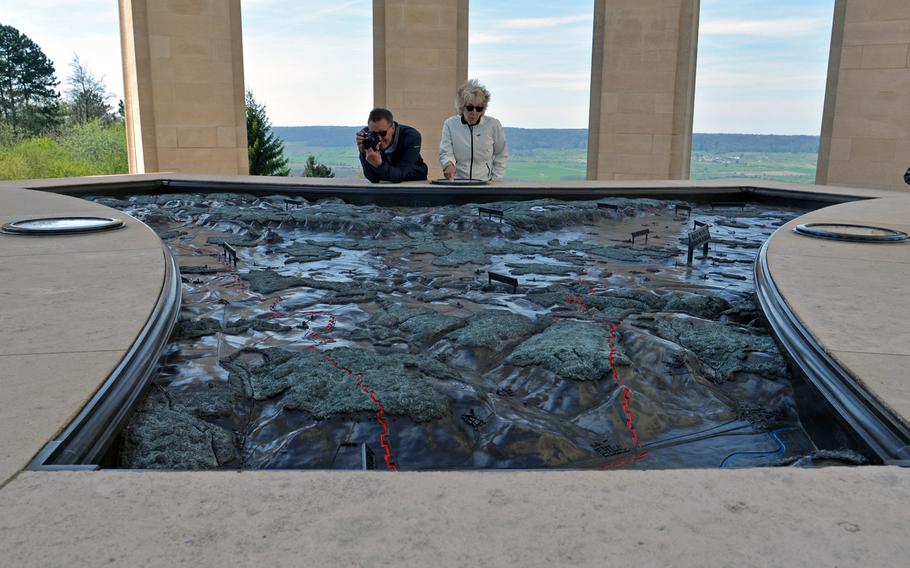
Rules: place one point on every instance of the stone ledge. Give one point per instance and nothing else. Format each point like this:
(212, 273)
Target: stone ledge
(57, 352)
(704, 518)
(757, 517)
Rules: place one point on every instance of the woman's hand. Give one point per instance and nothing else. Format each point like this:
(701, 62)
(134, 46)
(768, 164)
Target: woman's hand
(449, 172)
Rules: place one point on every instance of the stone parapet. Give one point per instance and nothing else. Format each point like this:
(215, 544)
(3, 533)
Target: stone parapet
(54, 353)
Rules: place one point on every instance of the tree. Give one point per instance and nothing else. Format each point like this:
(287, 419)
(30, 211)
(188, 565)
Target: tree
(87, 96)
(266, 151)
(314, 169)
(29, 101)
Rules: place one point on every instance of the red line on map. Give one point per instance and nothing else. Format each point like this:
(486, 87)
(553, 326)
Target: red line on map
(626, 391)
(320, 340)
(238, 283)
(578, 300)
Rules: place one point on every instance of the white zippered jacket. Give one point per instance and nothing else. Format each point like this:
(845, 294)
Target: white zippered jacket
(487, 141)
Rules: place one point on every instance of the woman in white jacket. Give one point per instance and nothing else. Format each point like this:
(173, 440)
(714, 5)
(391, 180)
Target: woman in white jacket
(473, 145)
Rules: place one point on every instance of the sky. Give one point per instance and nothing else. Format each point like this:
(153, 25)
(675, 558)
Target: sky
(761, 63)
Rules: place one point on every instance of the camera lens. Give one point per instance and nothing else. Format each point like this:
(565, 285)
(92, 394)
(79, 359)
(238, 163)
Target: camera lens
(371, 140)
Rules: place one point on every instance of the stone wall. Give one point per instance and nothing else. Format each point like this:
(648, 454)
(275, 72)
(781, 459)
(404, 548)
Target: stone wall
(420, 57)
(866, 124)
(183, 86)
(642, 89)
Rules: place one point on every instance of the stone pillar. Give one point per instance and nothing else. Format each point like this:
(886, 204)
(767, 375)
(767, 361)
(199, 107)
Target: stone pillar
(865, 137)
(642, 89)
(183, 86)
(420, 57)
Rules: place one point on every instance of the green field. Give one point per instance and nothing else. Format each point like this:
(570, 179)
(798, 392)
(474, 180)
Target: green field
(547, 164)
(791, 167)
(342, 160)
(550, 164)
(542, 164)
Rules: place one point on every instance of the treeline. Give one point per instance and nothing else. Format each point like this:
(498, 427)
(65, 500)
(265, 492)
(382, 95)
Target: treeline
(723, 143)
(566, 138)
(45, 133)
(552, 138)
(519, 138)
(318, 136)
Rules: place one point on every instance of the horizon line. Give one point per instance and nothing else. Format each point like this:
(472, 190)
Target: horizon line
(527, 128)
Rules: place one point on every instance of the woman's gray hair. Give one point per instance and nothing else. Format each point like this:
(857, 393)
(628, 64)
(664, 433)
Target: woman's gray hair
(467, 93)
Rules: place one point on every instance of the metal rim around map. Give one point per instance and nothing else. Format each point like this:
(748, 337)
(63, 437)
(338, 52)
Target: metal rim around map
(61, 225)
(851, 233)
(444, 181)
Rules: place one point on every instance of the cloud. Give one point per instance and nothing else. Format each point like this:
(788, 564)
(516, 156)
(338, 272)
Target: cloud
(96, 39)
(578, 82)
(795, 114)
(777, 28)
(778, 79)
(486, 38)
(537, 23)
(350, 8)
(496, 72)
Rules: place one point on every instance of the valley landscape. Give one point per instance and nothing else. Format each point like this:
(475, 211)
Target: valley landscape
(561, 154)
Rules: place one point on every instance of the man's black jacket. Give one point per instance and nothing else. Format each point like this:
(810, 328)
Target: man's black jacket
(401, 161)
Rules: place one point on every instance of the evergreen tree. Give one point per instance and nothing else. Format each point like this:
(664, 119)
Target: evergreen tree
(314, 169)
(29, 102)
(266, 151)
(87, 96)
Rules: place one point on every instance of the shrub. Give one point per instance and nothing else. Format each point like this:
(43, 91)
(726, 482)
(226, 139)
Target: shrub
(84, 150)
(104, 147)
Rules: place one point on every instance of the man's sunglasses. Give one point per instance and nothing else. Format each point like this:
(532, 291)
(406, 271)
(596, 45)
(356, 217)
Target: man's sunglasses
(472, 108)
(381, 133)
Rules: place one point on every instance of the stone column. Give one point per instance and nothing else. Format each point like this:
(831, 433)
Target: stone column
(420, 57)
(642, 89)
(183, 86)
(865, 137)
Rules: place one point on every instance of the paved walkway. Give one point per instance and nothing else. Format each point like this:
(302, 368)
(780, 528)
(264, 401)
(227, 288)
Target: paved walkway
(129, 183)
(70, 307)
(700, 518)
(852, 296)
(54, 352)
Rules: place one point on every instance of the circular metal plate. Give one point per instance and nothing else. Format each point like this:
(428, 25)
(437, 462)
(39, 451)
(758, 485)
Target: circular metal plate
(61, 225)
(444, 181)
(851, 233)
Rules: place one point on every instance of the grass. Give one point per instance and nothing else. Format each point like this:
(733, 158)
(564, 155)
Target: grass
(83, 150)
(545, 164)
(537, 165)
(792, 167)
(342, 160)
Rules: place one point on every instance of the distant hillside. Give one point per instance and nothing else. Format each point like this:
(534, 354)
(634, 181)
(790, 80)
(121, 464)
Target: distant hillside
(720, 143)
(566, 138)
(519, 138)
(554, 138)
(320, 136)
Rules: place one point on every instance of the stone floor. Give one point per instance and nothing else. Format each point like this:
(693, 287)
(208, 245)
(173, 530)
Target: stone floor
(54, 353)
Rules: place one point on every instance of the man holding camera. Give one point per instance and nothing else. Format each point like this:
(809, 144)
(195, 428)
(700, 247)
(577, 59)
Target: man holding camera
(390, 151)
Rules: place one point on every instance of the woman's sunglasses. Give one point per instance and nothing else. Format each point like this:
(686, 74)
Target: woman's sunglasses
(472, 108)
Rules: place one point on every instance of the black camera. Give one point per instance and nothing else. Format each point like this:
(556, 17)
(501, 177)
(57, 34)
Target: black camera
(371, 139)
